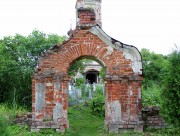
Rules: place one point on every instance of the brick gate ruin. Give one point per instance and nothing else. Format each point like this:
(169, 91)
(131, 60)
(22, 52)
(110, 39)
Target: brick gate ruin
(123, 78)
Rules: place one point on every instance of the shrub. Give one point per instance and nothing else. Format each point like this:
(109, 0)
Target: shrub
(80, 81)
(97, 104)
(151, 95)
(171, 92)
(102, 74)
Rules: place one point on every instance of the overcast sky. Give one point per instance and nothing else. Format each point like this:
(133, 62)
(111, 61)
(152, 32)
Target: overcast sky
(151, 24)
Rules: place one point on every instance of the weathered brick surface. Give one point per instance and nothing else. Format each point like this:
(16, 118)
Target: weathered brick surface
(152, 119)
(122, 82)
(53, 68)
(85, 44)
(87, 17)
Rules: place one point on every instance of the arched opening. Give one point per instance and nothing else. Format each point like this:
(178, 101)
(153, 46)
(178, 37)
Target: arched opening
(86, 76)
(85, 87)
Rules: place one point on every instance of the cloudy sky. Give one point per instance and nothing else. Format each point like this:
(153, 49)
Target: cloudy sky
(151, 24)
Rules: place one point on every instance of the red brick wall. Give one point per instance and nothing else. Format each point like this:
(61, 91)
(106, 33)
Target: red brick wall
(123, 87)
(86, 16)
(85, 44)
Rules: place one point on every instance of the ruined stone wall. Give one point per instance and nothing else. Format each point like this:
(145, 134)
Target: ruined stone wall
(122, 83)
(50, 102)
(152, 118)
(86, 17)
(123, 103)
(88, 12)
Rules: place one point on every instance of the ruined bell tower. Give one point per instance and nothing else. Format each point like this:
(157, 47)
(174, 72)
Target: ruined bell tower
(88, 13)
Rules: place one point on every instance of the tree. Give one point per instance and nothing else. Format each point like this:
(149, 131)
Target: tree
(18, 58)
(171, 92)
(155, 70)
(154, 67)
(76, 67)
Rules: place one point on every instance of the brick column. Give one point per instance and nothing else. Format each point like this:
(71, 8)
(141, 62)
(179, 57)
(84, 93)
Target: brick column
(49, 102)
(123, 105)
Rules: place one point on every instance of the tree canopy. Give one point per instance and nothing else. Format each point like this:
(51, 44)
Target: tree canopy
(155, 67)
(18, 58)
(161, 85)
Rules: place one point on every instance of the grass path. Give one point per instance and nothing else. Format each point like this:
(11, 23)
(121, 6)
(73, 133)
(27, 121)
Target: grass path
(83, 123)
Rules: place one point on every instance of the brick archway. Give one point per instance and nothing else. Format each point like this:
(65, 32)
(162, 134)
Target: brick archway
(122, 82)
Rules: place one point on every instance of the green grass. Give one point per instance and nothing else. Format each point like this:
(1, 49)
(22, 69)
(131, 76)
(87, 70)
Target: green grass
(81, 123)
(7, 112)
(7, 115)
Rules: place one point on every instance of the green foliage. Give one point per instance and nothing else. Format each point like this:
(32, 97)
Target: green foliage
(76, 67)
(175, 131)
(18, 58)
(155, 67)
(80, 81)
(82, 123)
(99, 90)
(83, 90)
(7, 127)
(151, 95)
(161, 85)
(9, 112)
(3, 127)
(171, 92)
(102, 73)
(97, 103)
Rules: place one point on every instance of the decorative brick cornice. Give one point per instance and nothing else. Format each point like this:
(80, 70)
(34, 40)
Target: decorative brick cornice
(56, 76)
(116, 77)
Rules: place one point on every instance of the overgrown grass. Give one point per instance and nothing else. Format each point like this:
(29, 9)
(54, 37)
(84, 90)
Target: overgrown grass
(3, 127)
(5, 110)
(151, 95)
(7, 115)
(81, 121)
